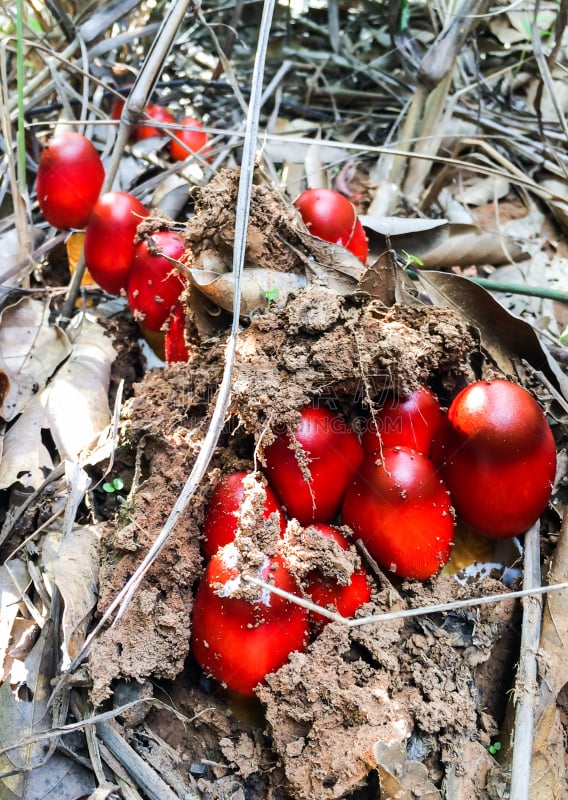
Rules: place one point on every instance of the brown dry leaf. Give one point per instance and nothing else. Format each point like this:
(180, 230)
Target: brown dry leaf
(380, 279)
(4, 389)
(514, 26)
(559, 205)
(289, 140)
(467, 244)
(479, 191)
(259, 287)
(72, 564)
(415, 236)
(25, 458)
(77, 404)
(13, 581)
(540, 270)
(506, 338)
(332, 265)
(548, 762)
(74, 246)
(40, 774)
(73, 407)
(30, 351)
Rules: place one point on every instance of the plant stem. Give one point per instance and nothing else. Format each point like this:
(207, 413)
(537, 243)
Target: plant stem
(521, 288)
(21, 141)
(509, 288)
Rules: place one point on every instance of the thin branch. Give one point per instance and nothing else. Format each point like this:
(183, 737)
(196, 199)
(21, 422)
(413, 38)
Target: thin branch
(435, 608)
(526, 681)
(124, 597)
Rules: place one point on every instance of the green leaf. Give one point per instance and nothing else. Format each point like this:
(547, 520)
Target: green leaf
(412, 259)
(108, 487)
(271, 294)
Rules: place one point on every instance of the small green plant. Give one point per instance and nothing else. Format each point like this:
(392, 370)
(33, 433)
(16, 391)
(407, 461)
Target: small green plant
(116, 485)
(412, 259)
(494, 748)
(271, 294)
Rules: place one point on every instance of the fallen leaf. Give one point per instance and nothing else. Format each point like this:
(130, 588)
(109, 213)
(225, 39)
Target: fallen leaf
(289, 140)
(506, 338)
(480, 191)
(25, 458)
(559, 204)
(13, 581)
(13, 247)
(73, 407)
(467, 244)
(414, 236)
(540, 270)
(36, 773)
(77, 399)
(30, 351)
(380, 279)
(74, 246)
(259, 287)
(72, 564)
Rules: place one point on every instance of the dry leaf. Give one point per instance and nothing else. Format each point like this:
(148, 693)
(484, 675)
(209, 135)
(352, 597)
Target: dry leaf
(548, 762)
(13, 248)
(506, 338)
(73, 566)
(259, 287)
(559, 206)
(73, 407)
(13, 581)
(380, 279)
(74, 246)
(30, 351)
(414, 236)
(467, 244)
(540, 270)
(25, 458)
(40, 774)
(480, 191)
(77, 399)
(288, 140)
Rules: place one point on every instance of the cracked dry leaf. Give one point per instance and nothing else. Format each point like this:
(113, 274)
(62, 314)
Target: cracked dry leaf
(73, 566)
(73, 407)
(38, 772)
(30, 351)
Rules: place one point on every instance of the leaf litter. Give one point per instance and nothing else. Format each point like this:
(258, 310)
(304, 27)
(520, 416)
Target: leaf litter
(406, 704)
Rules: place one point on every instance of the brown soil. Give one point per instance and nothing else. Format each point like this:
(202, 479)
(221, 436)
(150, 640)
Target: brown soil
(321, 723)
